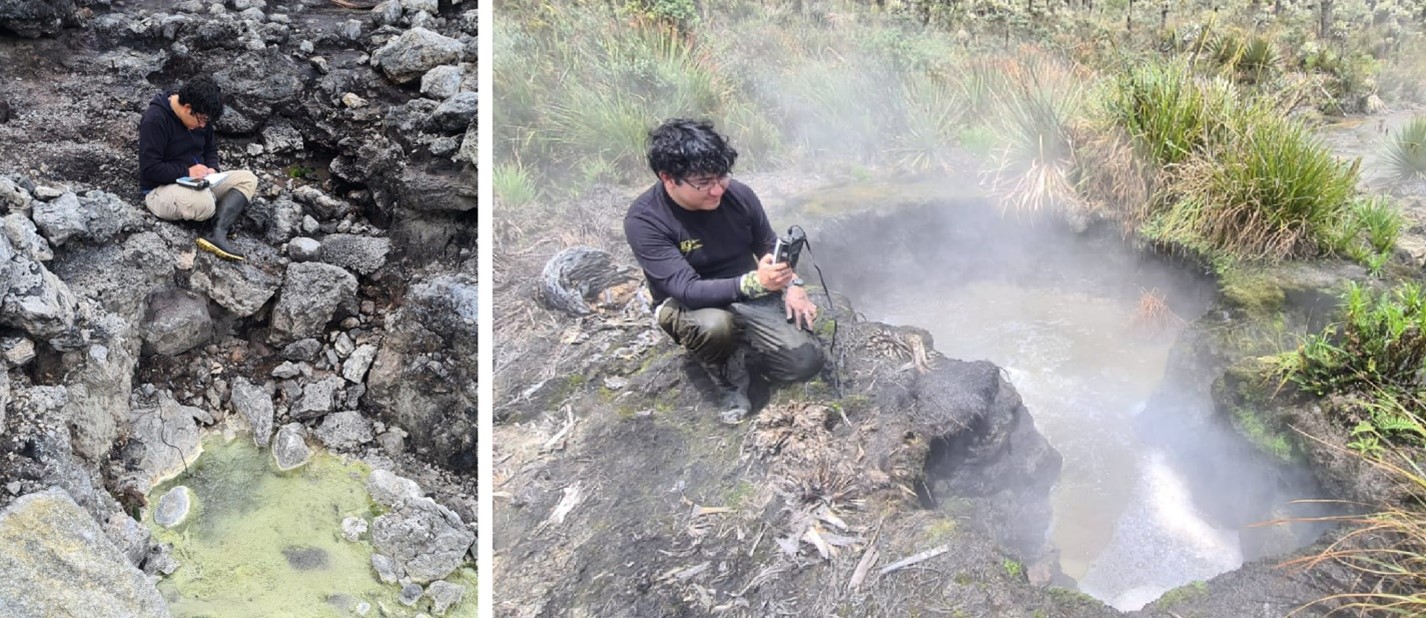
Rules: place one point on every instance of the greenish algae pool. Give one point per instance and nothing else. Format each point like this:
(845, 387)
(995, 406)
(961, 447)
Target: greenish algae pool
(258, 542)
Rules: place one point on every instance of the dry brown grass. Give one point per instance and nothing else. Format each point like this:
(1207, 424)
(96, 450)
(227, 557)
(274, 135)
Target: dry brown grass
(1154, 317)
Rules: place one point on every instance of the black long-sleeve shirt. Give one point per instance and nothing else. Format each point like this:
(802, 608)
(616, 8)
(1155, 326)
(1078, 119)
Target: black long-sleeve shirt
(696, 257)
(167, 148)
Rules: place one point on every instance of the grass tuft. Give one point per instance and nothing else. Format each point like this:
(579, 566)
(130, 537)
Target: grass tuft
(1406, 152)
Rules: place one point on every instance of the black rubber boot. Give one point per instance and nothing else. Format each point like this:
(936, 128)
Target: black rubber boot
(731, 378)
(229, 208)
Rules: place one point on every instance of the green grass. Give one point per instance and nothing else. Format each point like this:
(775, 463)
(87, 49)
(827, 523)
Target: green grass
(1167, 112)
(512, 185)
(1270, 190)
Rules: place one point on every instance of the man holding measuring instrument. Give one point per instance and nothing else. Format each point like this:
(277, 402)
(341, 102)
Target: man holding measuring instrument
(178, 164)
(707, 252)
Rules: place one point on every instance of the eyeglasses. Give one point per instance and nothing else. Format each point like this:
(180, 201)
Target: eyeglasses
(707, 184)
(202, 119)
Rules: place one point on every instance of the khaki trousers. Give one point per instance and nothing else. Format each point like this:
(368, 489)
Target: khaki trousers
(173, 202)
(711, 335)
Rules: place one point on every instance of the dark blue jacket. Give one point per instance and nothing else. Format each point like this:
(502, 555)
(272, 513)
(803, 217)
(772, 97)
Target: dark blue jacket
(697, 257)
(167, 148)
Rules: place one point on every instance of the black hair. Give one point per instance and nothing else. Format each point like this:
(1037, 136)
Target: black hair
(682, 148)
(204, 95)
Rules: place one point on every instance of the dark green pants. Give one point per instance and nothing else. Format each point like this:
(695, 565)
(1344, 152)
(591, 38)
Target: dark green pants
(788, 353)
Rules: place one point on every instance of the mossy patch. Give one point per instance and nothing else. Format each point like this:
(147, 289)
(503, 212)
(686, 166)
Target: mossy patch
(1192, 591)
(1251, 289)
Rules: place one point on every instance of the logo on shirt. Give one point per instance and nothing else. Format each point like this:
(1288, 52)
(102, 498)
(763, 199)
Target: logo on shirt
(689, 246)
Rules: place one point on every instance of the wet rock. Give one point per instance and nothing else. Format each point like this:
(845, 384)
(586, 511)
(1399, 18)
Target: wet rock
(25, 237)
(444, 595)
(456, 113)
(239, 287)
(425, 538)
(172, 507)
(424, 375)
(575, 276)
(306, 558)
(360, 254)
(95, 218)
(169, 435)
(309, 298)
(35, 18)
(318, 398)
(410, 594)
(386, 569)
(255, 404)
(289, 448)
(57, 561)
(302, 350)
(303, 249)
(353, 528)
(344, 430)
(388, 489)
(442, 82)
(176, 321)
(416, 51)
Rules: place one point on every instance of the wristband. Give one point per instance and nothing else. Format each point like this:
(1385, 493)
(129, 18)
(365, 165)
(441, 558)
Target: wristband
(750, 287)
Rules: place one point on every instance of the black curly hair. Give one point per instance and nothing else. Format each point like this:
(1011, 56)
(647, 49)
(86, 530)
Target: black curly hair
(683, 148)
(204, 95)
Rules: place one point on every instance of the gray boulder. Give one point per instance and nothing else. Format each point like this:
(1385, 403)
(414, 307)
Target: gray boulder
(95, 218)
(35, 18)
(240, 287)
(122, 276)
(356, 365)
(442, 82)
(318, 398)
(430, 190)
(25, 237)
(416, 51)
(424, 376)
(57, 561)
(360, 254)
(386, 13)
(32, 298)
(289, 447)
(254, 402)
(304, 249)
(390, 490)
(97, 407)
(344, 430)
(455, 114)
(310, 296)
(176, 321)
(173, 507)
(279, 136)
(444, 595)
(428, 540)
(169, 435)
(13, 197)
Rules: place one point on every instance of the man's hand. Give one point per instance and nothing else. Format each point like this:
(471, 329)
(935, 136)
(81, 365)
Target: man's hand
(800, 308)
(198, 170)
(773, 277)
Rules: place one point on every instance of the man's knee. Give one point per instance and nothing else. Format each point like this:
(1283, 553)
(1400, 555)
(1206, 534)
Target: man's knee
(713, 334)
(796, 364)
(242, 181)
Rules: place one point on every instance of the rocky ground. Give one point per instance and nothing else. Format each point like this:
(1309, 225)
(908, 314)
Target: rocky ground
(616, 492)
(352, 323)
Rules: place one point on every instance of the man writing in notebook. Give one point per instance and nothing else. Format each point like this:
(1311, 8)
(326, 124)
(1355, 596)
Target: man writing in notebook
(705, 246)
(176, 142)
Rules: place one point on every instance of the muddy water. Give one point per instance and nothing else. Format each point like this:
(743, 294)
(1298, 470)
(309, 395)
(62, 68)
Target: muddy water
(1134, 512)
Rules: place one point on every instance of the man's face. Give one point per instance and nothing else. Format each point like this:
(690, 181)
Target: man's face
(697, 192)
(191, 120)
